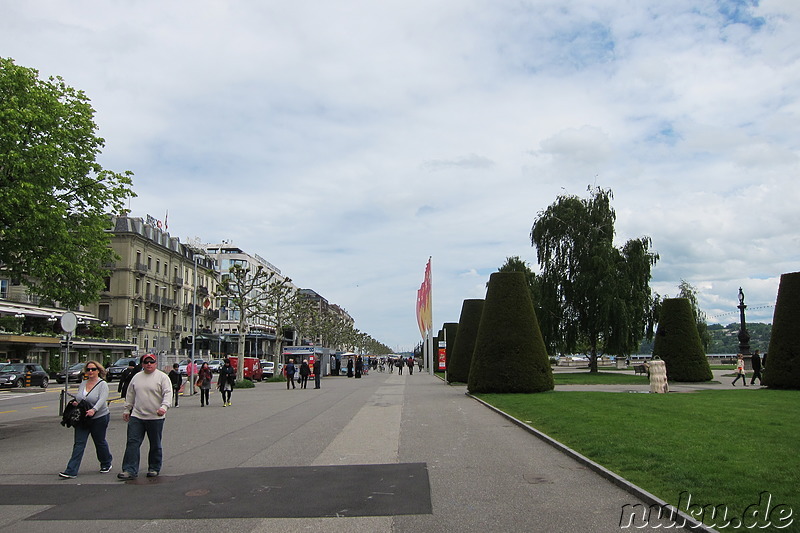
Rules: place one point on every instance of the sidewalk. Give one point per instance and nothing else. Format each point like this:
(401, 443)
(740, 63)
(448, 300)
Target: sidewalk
(384, 453)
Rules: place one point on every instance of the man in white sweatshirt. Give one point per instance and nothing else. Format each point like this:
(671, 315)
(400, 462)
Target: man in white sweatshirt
(146, 403)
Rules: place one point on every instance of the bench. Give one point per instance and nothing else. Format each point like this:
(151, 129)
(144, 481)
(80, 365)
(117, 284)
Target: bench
(640, 369)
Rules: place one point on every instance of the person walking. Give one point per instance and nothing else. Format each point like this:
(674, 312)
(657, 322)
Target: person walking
(176, 379)
(290, 370)
(359, 366)
(349, 367)
(125, 378)
(305, 371)
(146, 405)
(400, 365)
(226, 381)
(756, 369)
(94, 390)
(317, 372)
(204, 377)
(740, 370)
(410, 363)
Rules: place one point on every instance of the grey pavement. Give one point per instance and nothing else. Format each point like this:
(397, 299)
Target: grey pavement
(384, 453)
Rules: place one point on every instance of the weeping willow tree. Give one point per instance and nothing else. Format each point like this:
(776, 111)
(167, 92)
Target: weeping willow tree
(593, 294)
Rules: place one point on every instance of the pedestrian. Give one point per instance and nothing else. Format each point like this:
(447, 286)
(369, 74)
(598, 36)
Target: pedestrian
(349, 367)
(391, 365)
(317, 372)
(146, 405)
(756, 369)
(126, 376)
(290, 370)
(410, 363)
(359, 367)
(400, 366)
(740, 370)
(305, 371)
(176, 379)
(94, 390)
(225, 381)
(420, 365)
(204, 377)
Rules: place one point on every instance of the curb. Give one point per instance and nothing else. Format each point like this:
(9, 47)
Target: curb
(648, 498)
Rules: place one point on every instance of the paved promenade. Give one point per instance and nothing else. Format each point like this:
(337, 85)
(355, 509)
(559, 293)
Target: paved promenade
(385, 453)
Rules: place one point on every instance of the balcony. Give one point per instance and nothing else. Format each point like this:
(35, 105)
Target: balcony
(202, 291)
(178, 281)
(177, 328)
(139, 322)
(140, 267)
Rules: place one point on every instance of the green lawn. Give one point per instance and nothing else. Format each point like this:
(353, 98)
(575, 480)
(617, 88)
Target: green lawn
(598, 378)
(724, 447)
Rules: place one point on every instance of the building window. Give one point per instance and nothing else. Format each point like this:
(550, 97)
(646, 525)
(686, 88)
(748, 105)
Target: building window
(3, 288)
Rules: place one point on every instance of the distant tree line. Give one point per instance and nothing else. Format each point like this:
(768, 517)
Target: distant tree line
(723, 339)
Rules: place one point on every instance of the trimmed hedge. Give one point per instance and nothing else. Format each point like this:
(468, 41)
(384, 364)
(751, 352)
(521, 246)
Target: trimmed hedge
(450, 329)
(782, 368)
(509, 355)
(678, 343)
(461, 358)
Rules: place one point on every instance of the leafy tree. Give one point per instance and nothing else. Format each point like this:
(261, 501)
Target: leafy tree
(245, 291)
(686, 290)
(783, 358)
(279, 299)
(509, 354)
(464, 345)
(56, 197)
(592, 292)
(678, 343)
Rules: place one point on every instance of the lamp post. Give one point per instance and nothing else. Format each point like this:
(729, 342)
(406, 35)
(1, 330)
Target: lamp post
(190, 367)
(743, 336)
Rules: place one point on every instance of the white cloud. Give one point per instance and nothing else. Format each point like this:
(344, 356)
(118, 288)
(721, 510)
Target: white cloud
(346, 142)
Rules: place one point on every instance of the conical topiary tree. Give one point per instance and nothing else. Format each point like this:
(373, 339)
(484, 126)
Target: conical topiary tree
(678, 343)
(782, 369)
(450, 329)
(509, 354)
(461, 358)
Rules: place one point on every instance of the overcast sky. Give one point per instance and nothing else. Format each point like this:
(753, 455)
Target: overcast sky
(348, 141)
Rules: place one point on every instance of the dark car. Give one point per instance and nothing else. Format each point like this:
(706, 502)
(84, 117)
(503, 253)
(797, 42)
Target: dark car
(113, 372)
(75, 373)
(16, 375)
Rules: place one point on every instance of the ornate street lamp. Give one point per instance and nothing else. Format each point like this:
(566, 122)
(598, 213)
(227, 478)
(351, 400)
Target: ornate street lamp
(744, 337)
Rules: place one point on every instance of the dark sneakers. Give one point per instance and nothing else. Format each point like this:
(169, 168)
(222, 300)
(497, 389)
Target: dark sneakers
(105, 469)
(125, 476)
(152, 473)
(64, 475)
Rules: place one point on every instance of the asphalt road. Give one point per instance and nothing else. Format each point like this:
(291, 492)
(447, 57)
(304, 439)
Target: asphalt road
(384, 453)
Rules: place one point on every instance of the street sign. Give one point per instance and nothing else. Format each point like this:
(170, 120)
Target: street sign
(69, 322)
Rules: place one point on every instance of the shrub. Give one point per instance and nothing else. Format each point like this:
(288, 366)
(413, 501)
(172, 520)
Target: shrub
(244, 384)
(678, 343)
(450, 330)
(509, 355)
(782, 368)
(464, 344)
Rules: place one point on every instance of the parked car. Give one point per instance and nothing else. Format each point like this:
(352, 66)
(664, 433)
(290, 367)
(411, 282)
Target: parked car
(113, 372)
(75, 373)
(268, 368)
(215, 364)
(14, 375)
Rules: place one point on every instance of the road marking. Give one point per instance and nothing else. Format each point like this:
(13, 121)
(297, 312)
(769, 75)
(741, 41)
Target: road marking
(41, 407)
(6, 412)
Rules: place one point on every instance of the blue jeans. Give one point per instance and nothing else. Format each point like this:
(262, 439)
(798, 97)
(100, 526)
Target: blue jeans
(96, 427)
(137, 428)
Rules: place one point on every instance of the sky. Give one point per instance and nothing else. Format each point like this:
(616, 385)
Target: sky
(347, 142)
